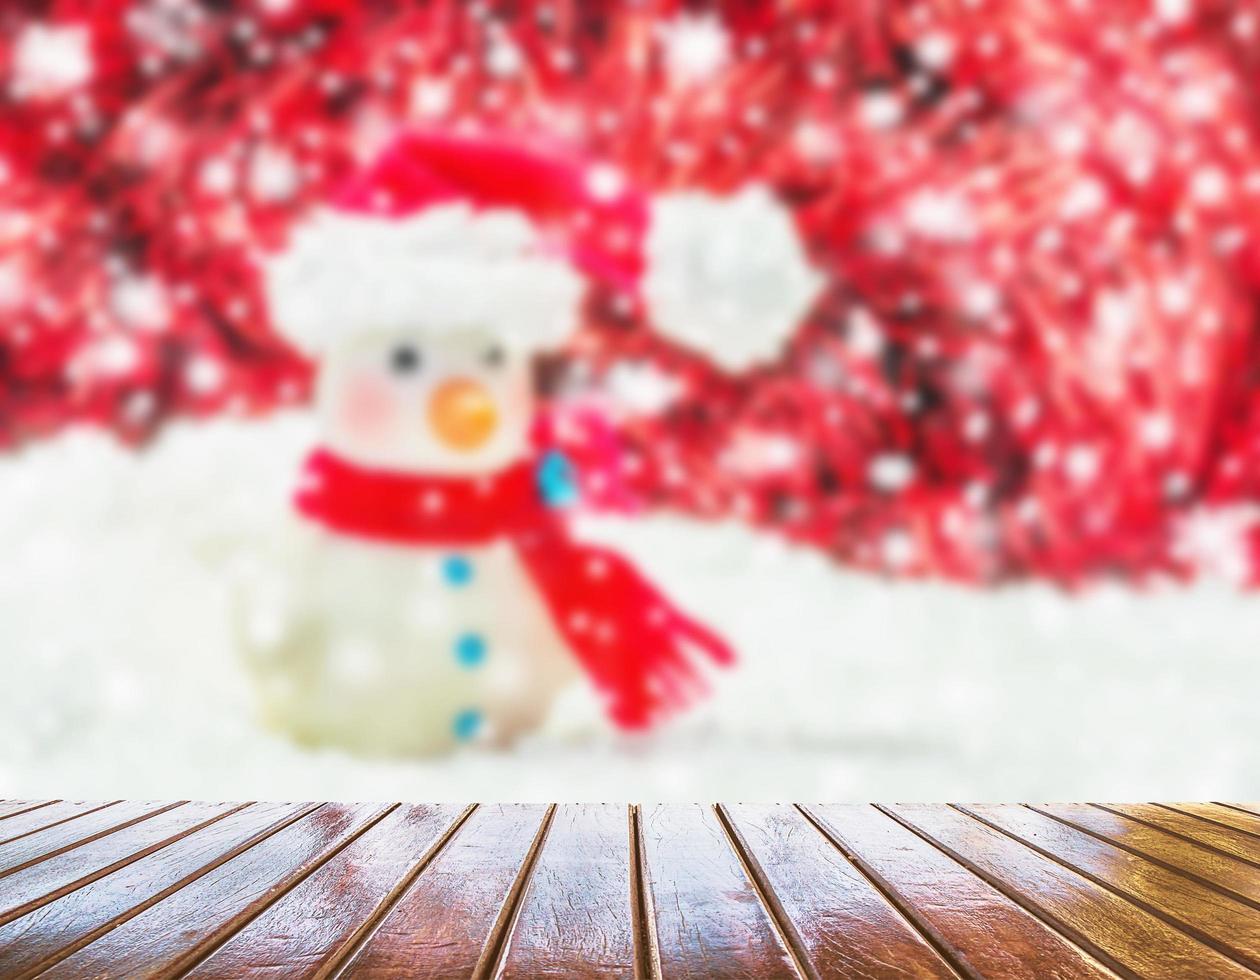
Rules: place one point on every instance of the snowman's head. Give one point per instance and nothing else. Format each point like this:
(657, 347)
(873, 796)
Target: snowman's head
(457, 401)
(424, 328)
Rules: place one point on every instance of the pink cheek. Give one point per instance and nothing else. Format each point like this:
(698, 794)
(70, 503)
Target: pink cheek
(367, 408)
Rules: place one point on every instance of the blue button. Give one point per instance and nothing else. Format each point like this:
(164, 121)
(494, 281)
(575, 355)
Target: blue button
(557, 480)
(467, 724)
(470, 650)
(457, 570)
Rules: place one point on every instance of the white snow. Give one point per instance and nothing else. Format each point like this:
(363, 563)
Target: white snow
(273, 175)
(430, 97)
(890, 472)
(51, 61)
(727, 275)
(120, 677)
(940, 215)
(695, 47)
(140, 302)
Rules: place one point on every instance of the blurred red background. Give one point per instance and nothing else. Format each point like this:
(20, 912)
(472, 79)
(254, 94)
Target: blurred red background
(1040, 221)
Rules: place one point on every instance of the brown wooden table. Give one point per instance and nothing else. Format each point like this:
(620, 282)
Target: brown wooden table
(282, 890)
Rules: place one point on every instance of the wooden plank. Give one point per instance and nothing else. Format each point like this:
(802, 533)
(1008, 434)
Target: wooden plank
(39, 845)
(1227, 873)
(1248, 823)
(317, 922)
(1208, 914)
(1249, 807)
(45, 816)
(47, 935)
(41, 883)
(708, 919)
(844, 925)
(173, 935)
(460, 904)
(576, 918)
(987, 933)
(1223, 839)
(11, 808)
(1125, 937)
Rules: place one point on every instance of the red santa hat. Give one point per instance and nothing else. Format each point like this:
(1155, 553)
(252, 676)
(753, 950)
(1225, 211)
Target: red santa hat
(445, 231)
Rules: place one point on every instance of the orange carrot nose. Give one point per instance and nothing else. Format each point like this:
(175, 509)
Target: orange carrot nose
(463, 414)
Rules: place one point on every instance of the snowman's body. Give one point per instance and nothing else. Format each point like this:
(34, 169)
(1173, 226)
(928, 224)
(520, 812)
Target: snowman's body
(445, 265)
(402, 647)
(398, 649)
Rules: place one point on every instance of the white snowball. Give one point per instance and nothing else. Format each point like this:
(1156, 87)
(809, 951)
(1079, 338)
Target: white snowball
(727, 275)
(641, 387)
(430, 97)
(881, 110)
(940, 215)
(204, 375)
(1082, 464)
(50, 61)
(140, 302)
(217, 176)
(695, 48)
(273, 175)
(890, 472)
(1156, 431)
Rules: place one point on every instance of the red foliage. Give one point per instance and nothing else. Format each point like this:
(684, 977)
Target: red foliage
(1041, 219)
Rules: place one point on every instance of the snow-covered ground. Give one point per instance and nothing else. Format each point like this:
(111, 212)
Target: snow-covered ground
(118, 676)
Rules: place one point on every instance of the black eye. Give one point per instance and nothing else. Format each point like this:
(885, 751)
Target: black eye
(404, 359)
(494, 356)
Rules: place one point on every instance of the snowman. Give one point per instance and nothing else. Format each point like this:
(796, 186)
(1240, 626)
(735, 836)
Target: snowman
(432, 593)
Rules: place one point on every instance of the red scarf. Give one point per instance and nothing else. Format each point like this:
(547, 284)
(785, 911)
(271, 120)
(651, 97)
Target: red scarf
(634, 644)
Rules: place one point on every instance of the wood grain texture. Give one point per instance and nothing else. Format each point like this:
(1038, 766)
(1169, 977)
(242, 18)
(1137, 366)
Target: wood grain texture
(708, 919)
(1208, 914)
(307, 931)
(1223, 839)
(988, 934)
(443, 923)
(322, 891)
(9, 808)
(171, 936)
(38, 845)
(846, 926)
(1125, 937)
(1235, 877)
(576, 918)
(48, 880)
(1248, 823)
(52, 932)
(31, 820)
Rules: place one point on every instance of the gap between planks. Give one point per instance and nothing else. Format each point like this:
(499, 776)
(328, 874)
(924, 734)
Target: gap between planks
(27, 809)
(58, 851)
(1238, 807)
(1149, 858)
(1180, 836)
(500, 936)
(1208, 820)
(1046, 918)
(775, 911)
(1180, 925)
(109, 869)
(930, 934)
(647, 947)
(199, 954)
(55, 823)
(343, 958)
(86, 940)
